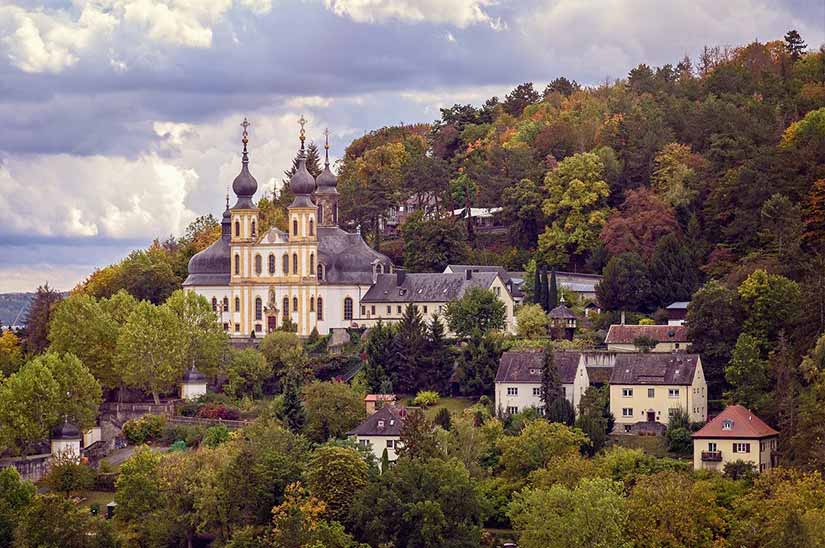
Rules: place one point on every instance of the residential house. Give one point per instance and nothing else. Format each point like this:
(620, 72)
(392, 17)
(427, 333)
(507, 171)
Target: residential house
(513, 280)
(736, 434)
(429, 293)
(583, 285)
(667, 338)
(519, 375)
(677, 313)
(380, 431)
(650, 388)
(485, 219)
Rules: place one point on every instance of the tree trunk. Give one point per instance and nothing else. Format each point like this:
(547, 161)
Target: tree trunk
(155, 397)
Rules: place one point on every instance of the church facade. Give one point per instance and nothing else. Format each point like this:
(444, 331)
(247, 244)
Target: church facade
(313, 276)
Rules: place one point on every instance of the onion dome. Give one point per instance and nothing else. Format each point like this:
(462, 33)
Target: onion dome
(327, 182)
(212, 265)
(302, 183)
(66, 431)
(245, 184)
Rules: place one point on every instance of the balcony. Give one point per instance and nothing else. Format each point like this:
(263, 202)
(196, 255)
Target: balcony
(712, 456)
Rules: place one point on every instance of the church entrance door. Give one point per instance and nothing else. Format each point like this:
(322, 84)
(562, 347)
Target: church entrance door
(271, 321)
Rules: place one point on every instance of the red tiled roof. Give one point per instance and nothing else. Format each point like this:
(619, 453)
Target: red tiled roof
(745, 425)
(379, 397)
(625, 334)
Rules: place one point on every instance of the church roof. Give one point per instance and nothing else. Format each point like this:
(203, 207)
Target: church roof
(346, 257)
(425, 286)
(212, 265)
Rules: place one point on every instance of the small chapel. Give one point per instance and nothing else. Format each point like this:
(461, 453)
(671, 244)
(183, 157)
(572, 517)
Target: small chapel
(312, 276)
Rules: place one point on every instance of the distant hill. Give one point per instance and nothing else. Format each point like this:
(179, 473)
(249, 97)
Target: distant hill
(13, 305)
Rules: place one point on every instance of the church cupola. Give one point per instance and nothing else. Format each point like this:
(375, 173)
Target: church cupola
(226, 221)
(302, 183)
(326, 195)
(245, 184)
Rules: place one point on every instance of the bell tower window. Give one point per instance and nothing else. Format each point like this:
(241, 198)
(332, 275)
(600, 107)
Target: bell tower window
(320, 271)
(295, 304)
(321, 213)
(253, 228)
(294, 263)
(271, 263)
(258, 265)
(226, 304)
(312, 261)
(285, 264)
(237, 304)
(214, 304)
(320, 308)
(237, 229)
(286, 307)
(237, 264)
(294, 227)
(311, 228)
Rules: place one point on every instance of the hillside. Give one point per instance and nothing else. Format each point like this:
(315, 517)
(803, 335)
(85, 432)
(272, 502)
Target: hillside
(13, 307)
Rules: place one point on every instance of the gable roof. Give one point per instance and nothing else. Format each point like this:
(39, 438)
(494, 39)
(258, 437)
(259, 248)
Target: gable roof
(425, 287)
(390, 416)
(625, 334)
(654, 368)
(678, 305)
(745, 425)
(525, 366)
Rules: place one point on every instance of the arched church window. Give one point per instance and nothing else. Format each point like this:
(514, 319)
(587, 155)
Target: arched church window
(259, 308)
(312, 262)
(295, 304)
(258, 265)
(294, 227)
(253, 228)
(226, 304)
(285, 264)
(348, 308)
(214, 304)
(320, 271)
(286, 307)
(311, 228)
(237, 304)
(237, 264)
(320, 308)
(271, 263)
(312, 304)
(237, 229)
(294, 263)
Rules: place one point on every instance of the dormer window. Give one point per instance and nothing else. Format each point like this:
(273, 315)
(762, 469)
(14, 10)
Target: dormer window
(380, 424)
(727, 424)
(379, 268)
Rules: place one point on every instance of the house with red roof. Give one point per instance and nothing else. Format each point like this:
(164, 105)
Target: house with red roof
(736, 434)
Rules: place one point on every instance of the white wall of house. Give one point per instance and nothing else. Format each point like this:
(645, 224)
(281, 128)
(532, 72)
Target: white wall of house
(377, 444)
(515, 397)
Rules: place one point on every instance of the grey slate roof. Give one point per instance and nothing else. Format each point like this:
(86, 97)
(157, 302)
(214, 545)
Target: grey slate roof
(392, 417)
(513, 280)
(212, 265)
(561, 312)
(525, 366)
(678, 305)
(654, 368)
(425, 287)
(66, 431)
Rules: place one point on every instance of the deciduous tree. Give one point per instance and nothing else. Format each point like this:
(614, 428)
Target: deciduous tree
(478, 309)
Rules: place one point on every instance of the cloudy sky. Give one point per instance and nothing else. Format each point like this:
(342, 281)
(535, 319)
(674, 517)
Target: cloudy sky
(120, 118)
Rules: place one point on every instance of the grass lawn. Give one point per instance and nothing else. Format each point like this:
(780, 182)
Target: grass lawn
(97, 497)
(454, 405)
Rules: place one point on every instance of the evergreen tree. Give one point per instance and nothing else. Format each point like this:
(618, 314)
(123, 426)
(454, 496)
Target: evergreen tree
(408, 350)
(284, 197)
(37, 320)
(561, 410)
(554, 292)
(673, 273)
(418, 438)
(385, 461)
(439, 356)
(477, 365)
(538, 298)
(294, 412)
(545, 290)
(379, 356)
(794, 44)
(551, 389)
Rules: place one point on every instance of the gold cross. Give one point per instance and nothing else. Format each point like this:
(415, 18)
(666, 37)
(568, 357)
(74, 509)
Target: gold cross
(326, 136)
(245, 124)
(302, 122)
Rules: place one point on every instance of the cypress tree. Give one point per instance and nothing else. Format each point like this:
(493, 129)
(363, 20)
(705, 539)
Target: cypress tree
(554, 291)
(408, 351)
(537, 287)
(385, 461)
(294, 412)
(545, 290)
(550, 382)
(439, 357)
(379, 356)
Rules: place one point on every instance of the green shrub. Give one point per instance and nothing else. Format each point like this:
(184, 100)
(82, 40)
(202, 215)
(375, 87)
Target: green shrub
(426, 398)
(191, 435)
(179, 445)
(67, 476)
(145, 429)
(215, 436)
(443, 418)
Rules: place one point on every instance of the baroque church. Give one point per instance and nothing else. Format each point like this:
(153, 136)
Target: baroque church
(313, 276)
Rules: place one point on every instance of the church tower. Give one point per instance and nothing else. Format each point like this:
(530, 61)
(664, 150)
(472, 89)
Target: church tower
(244, 213)
(327, 193)
(303, 221)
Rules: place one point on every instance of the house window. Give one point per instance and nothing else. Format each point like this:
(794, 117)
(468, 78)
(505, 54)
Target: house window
(237, 229)
(237, 304)
(398, 309)
(672, 392)
(225, 326)
(295, 304)
(347, 308)
(285, 264)
(389, 309)
(214, 304)
(627, 428)
(390, 444)
(379, 269)
(363, 310)
(320, 308)
(380, 424)
(311, 228)
(258, 265)
(512, 410)
(372, 310)
(286, 307)
(536, 391)
(237, 264)
(271, 263)
(741, 448)
(226, 304)
(259, 309)
(497, 291)
(651, 392)
(294, 263)
(727, 424)
(294, 227)
(672, 411)
(425, 309)
(712, 446)
(762, 446)
(512, 391)
(364, 443)
(627, 392)
(627, 411)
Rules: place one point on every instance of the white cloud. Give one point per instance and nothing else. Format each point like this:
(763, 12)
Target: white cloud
(461, 13)
(450, 37)
(311, 101)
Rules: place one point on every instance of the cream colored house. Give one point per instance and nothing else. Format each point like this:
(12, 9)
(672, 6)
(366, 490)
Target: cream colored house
(668, 338)
(735, 434)
(429, 293)
(518, 379)
(381, 430)
(649, 388)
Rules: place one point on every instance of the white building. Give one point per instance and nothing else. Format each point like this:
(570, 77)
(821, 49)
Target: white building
(381, 431)
(518, 379)
(315, 275)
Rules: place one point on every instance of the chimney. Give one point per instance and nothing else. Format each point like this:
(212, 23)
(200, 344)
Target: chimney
(468, 274)
(400, 276)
